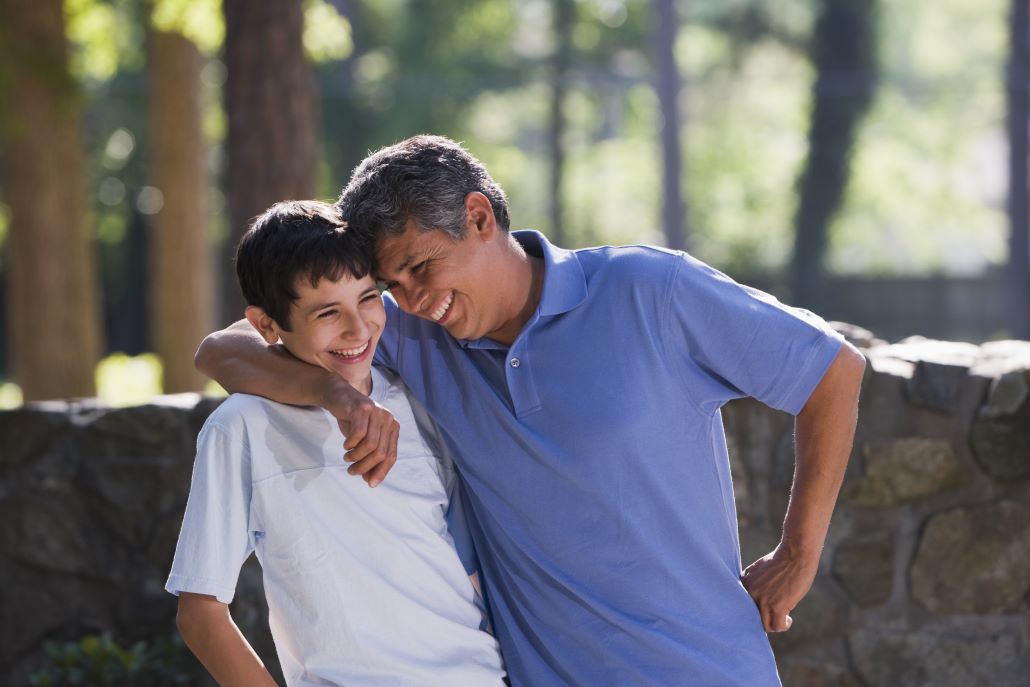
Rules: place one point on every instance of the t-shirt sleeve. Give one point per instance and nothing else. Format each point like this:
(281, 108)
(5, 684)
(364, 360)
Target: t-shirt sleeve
(738, 341)
(215, 539)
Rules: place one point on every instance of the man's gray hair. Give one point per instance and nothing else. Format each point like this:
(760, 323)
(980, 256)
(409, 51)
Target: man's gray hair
(424, 178)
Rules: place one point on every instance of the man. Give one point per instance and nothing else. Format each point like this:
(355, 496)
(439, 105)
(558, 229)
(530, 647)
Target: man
(580, 392)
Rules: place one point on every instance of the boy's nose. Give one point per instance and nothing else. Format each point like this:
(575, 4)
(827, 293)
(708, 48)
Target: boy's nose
(355, 327)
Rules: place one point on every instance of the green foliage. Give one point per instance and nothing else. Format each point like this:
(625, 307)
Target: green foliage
(105, 36)
(98, 661)
(124, 380)
(199, 20)
(10, 396)
(327, 35)
(927, 193)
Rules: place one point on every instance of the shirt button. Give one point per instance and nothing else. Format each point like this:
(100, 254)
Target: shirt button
(515, 362)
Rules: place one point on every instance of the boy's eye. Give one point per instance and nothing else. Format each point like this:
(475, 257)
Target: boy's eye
(326, 313)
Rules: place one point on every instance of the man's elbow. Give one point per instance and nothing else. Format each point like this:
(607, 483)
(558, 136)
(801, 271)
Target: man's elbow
(204, 358)
(853, 365)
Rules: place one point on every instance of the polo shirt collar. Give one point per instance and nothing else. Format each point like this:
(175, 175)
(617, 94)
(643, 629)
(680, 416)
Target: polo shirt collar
(565, 285)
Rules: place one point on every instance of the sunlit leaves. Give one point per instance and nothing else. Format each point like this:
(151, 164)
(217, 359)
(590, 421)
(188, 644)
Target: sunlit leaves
(327, 35)
(93, 29)
(199, 20)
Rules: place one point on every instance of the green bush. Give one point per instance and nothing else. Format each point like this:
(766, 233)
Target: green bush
(98, 661)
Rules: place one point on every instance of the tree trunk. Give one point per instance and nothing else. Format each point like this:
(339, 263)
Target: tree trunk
(270, 105)
(844, 56)
(665, 27)
(564, 15)
(183, 285)
(54, 304)
(1018, 269)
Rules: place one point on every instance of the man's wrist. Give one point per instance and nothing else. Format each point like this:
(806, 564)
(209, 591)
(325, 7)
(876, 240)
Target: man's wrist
(335, 394)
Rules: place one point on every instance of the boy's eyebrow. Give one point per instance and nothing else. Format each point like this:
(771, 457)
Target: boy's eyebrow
(318, 306)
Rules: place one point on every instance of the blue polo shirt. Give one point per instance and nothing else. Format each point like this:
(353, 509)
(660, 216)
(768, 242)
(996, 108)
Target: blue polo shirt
(594, 460)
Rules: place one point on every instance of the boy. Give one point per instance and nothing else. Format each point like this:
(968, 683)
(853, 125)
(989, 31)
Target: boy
(364, 586)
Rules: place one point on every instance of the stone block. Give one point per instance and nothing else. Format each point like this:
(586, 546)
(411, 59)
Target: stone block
(906, 469)
(939, 658)
(1001, 432)
(865, 568)
(797, 674)
(819, 616)
(26, 433)
(974, 560)
(936, 386)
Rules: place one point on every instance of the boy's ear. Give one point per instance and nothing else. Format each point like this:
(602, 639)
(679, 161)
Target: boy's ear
(264, 324)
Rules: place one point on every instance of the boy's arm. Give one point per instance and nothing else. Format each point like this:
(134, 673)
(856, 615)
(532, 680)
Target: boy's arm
(210, 633)
(240, 360)
(824, 431)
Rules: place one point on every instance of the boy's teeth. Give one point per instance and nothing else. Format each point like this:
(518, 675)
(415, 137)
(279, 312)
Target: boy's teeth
(442, 310)
(351, 352)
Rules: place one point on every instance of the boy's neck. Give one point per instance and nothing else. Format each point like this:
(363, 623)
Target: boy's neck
(365, 386)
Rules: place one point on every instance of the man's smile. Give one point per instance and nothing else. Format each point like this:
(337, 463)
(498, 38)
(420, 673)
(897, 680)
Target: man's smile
(442, 308)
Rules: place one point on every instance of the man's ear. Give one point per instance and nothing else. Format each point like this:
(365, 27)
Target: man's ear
(264, 324)
(479, 216)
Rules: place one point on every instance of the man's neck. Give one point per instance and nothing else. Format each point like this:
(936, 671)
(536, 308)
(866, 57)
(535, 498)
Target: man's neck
(527, 289)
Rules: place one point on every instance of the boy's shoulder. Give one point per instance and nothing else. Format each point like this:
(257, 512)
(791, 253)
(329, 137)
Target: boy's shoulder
(239, 410)
(245, 414)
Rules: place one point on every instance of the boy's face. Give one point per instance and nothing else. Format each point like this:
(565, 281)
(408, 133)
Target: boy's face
(336, 325)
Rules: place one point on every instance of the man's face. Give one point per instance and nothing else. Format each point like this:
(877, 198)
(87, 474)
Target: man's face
(337, 325)
(444, 280)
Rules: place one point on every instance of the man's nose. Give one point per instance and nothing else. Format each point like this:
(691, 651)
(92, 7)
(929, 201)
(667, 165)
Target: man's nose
(411, 299)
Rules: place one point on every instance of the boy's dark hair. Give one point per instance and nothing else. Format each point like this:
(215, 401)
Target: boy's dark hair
(425, 178)
(296, 239)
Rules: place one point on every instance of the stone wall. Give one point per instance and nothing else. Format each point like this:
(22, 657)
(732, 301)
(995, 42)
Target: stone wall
(925, 579)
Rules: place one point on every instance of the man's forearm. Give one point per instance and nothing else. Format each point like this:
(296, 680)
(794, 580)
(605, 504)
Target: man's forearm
(240, 360)
(824, 432)
(216, 641)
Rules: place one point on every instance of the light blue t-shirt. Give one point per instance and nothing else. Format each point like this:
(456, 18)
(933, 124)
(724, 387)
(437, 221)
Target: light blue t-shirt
(364, 586)
(594, 460)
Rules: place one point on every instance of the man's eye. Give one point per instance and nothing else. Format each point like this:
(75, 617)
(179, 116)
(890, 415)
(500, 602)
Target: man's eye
(415, 269)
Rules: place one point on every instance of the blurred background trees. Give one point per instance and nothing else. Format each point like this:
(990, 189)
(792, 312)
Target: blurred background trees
(831, 151)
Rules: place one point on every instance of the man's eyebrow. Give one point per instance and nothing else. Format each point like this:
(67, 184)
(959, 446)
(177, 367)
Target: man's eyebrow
(404, 263)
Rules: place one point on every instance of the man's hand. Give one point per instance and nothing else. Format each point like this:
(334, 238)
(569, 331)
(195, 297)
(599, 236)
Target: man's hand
(371, 431)
(777, 582)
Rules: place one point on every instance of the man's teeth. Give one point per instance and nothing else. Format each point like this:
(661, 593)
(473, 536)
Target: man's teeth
(351, 352)
(442, 310)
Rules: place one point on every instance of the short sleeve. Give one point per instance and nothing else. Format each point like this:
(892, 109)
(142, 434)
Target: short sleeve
(737, 341)
(215, 539)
